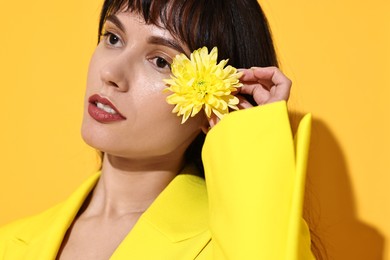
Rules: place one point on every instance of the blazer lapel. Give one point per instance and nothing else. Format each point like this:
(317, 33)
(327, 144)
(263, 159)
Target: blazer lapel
(176, 224)
(42, 235)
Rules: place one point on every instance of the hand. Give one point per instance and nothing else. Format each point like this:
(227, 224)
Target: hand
(264, 84)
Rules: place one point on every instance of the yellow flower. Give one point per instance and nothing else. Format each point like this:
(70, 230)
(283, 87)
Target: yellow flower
(199, 82)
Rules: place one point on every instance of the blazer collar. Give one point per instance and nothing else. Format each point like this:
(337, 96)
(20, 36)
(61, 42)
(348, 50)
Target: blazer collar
(43, 233)
(175, 226)
(181, 210)
(178, 213)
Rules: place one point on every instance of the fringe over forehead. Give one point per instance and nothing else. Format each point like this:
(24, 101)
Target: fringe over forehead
(227, 24)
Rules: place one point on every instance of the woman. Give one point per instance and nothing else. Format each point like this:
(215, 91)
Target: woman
(149, 201)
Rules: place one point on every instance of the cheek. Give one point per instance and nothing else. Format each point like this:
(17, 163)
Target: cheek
(153, 85)
(93, 72)
(150, 129)
(147, 99)
(158, 130)
(156, 117)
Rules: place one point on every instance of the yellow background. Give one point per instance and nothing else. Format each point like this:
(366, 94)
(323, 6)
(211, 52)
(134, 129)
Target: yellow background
(337, 52)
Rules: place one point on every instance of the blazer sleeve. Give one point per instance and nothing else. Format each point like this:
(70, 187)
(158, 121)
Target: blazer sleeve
(255, 175)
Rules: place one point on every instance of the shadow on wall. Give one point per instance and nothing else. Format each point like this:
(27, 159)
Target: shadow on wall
(330, 206)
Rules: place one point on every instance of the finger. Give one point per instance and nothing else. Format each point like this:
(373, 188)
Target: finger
(213, 120)
(259, 93)
(265, 74)
(249, 77)
(269, 77)
(243, 103)
(282, 83)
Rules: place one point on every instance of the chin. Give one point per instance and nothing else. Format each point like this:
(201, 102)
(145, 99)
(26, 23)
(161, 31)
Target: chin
(94, 137)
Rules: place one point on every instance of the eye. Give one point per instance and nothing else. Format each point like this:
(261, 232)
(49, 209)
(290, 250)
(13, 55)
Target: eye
(111, 39)
(162, 63)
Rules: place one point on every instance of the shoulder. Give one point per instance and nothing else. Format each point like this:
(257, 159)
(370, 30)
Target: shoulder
(30, 224)
(42, 233)
(16, 236)
(59, 215)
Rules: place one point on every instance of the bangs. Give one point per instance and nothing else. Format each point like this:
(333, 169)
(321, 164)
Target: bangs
(193, 22)
(238, 28)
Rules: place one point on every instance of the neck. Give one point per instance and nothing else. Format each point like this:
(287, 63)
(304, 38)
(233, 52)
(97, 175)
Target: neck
(129, 186)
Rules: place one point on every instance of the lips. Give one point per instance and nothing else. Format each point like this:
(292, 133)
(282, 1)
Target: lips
(102, 110)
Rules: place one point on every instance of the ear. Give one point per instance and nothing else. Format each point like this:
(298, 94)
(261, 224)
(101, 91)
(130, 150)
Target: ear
(205, 129)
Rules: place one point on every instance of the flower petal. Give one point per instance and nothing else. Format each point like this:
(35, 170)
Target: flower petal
(199, 82)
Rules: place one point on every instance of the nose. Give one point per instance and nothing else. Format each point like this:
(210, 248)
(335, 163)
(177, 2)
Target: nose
(113, 74)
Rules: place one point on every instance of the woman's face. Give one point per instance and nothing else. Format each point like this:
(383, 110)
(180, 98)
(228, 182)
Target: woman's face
(125, 110)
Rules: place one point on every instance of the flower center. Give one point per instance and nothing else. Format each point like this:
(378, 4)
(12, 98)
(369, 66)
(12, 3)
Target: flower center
(201, 88)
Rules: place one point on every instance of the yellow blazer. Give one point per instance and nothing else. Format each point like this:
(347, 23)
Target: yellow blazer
(250, 206)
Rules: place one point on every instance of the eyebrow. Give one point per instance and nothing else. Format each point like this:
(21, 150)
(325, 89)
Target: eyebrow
(166, 42)
(152, 40)
(114, 19)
